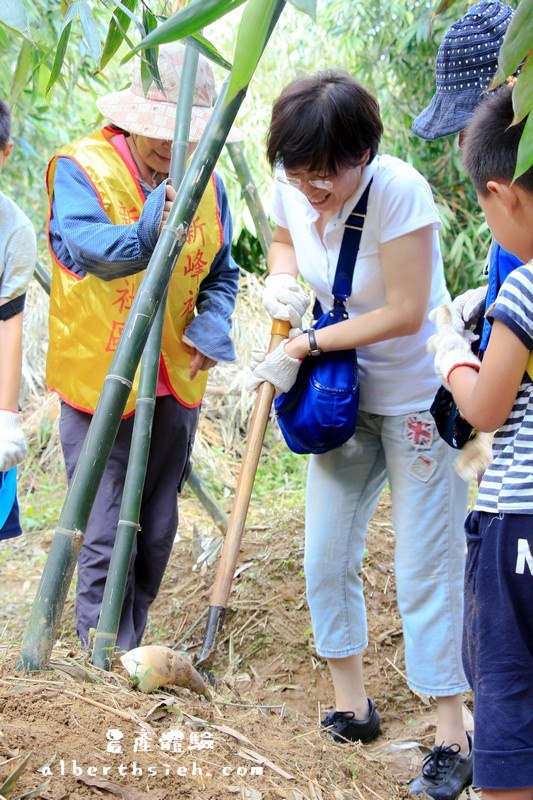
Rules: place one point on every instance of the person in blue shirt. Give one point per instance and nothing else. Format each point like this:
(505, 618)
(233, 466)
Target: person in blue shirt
(109, 197)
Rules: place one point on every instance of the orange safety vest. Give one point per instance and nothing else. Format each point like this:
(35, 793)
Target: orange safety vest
(87, 314)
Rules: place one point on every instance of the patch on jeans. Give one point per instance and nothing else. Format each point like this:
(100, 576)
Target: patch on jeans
(423, 467)
(419, 431)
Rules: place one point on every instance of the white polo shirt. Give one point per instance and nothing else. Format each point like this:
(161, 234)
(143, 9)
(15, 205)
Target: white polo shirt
(396, 375)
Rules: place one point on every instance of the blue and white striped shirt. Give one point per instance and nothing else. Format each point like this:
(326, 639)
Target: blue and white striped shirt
(507, 485)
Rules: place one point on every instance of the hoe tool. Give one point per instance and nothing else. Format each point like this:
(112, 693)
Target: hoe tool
(232, 541)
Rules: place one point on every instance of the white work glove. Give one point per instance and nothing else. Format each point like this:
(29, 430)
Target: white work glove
(276, 367)
(12, 444)
(467, 308)
(258, 356)
(284, 298)
(451, 349)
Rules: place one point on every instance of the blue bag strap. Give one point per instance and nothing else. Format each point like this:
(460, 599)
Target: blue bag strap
(342, 285)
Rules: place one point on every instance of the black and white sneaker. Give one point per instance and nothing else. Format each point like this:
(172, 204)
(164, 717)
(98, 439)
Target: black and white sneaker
(343, 727)
(445, 773)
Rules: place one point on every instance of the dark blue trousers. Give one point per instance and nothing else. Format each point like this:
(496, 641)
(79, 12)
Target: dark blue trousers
(173, 432)
(498, 646)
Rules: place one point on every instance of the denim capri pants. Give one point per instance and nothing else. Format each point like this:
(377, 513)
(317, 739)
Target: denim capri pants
(429, 502)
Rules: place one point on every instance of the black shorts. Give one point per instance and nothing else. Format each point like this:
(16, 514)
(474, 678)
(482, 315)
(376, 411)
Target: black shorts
(498, 646)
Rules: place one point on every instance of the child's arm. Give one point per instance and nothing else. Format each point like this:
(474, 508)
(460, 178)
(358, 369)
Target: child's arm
(486, 398)
(11, 361)
(19, 256)
(12, 444)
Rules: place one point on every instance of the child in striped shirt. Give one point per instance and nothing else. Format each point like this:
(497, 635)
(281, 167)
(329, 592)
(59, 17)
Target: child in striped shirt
(497, 395)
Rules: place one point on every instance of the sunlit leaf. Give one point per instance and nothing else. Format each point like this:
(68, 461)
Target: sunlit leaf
(251, 38)
(150, 24)
(525, 149)
(307, 6)
(24, 62)
(123, 6)
(146, 77)
(13, 15)
(523, 92)
(516, 43)
(149, 20)
(120, 22)
(207, 49)
(60, 55)
(90, 31)
(189, 20)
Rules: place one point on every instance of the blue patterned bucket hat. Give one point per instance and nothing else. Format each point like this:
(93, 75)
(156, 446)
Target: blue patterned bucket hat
(466, 62)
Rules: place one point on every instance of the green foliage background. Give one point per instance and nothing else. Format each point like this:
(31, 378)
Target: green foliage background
(389, 47)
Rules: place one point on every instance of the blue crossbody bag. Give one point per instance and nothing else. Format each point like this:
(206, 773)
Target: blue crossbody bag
(319, 413)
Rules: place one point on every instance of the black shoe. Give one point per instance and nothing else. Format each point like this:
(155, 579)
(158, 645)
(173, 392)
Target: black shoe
(445, 773)
(343, 727)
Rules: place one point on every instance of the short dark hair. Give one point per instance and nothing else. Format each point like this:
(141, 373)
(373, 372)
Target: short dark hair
(491, 143)
(323, 122)
(5, 125)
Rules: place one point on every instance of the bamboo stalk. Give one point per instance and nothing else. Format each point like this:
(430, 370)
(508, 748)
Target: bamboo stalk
(42, 277)
(130, 509)
(219, 517)
(251, 197)
(51, 594)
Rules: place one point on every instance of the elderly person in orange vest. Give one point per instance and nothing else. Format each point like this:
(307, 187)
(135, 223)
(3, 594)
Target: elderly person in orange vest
(109, 198)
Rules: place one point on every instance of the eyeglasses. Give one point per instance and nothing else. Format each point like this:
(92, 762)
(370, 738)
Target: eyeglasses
(316, 183)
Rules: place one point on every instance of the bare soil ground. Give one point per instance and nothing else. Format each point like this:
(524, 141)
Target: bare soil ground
(258, 737)
(77, 732)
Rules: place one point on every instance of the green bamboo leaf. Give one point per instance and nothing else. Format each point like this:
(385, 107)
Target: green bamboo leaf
(37, 792)
(146, 77)
(13, 15)
(149, 68)
(525, 149)
(118, 27)
(523, 91)
(60, 55)
(208, 50)
(90, 31)
(190, 19)
(251, 38)
(516, 44)
(24, 62)
(149, 20)
(123, 6)
(9, 784)
(307, 6)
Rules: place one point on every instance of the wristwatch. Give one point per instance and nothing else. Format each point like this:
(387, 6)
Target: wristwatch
(315, 349)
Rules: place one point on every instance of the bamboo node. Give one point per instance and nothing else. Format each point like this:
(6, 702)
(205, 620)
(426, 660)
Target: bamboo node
(120, 378)
(179, 233)
(127, 523)
(73, 533)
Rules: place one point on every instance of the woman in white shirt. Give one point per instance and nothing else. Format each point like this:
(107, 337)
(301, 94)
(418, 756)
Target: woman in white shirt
(323, 142)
